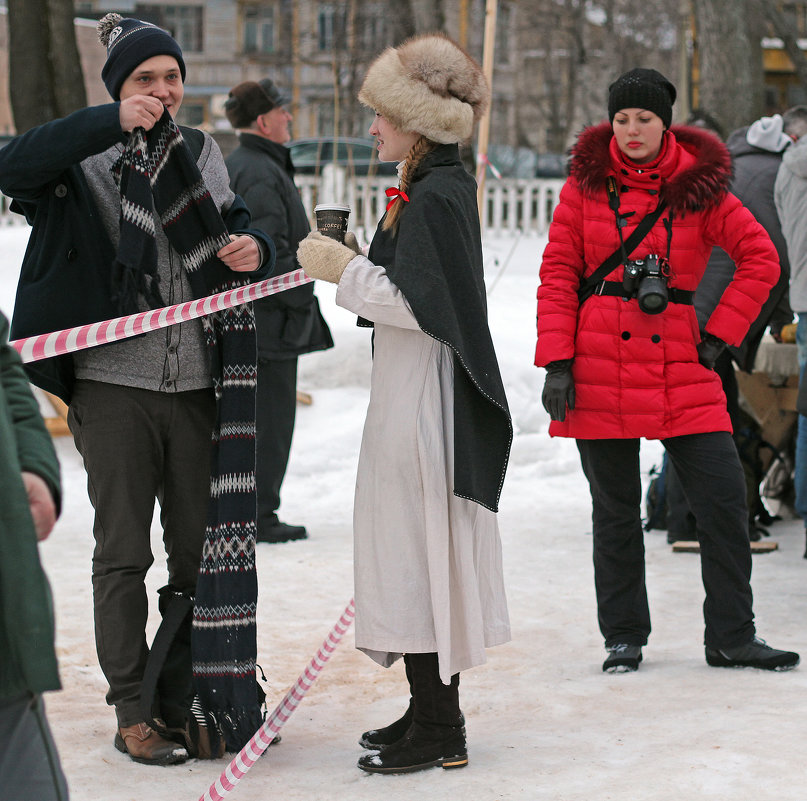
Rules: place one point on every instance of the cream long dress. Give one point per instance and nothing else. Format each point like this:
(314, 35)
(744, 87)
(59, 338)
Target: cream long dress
(427, 564)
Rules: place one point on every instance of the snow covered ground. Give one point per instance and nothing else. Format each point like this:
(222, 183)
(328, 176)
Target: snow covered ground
(543, 721)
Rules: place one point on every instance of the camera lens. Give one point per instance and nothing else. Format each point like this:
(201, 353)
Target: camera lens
(652, 295)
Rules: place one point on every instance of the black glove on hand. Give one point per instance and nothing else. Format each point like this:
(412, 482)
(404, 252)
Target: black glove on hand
(709, 348)
(558, 389)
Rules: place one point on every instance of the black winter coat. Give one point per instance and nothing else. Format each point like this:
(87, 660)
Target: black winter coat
(754, 176)
(289, 323)
(65, 275)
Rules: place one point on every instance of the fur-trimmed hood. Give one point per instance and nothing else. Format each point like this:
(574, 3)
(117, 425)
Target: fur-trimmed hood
(428, 85)
(694, 169)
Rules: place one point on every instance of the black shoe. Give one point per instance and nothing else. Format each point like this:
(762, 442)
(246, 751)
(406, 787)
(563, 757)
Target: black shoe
(281, 532)
(622, 658)
(415, 751)
(756, 654)
(375, 739)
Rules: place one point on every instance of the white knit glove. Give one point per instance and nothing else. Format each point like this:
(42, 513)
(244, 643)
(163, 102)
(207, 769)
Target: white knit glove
(324, 258)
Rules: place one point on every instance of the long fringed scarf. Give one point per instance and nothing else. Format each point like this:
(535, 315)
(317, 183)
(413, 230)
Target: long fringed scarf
(157, 171)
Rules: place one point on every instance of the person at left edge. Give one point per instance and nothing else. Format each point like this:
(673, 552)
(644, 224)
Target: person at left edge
(141, 410)
(289, 323)
(30, 498)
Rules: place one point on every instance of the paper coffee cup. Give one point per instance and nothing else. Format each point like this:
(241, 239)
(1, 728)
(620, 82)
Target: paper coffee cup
(332, 220)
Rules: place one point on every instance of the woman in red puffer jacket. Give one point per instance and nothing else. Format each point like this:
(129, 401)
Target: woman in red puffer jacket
(625, 358)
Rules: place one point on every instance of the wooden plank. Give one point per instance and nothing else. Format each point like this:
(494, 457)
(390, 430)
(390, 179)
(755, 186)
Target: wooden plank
(57, 426)
(692, 546)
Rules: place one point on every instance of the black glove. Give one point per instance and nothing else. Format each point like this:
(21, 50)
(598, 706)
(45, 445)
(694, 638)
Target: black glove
(709, 348)
(558, 389)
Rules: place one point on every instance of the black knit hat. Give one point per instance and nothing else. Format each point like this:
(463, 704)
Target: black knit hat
(129, 42)
(250, 99)
(642, 88)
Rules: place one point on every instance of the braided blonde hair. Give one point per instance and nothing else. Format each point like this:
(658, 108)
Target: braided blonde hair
(413, 159)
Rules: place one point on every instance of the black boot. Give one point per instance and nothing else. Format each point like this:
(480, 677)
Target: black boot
(436, 737)
(376, 739)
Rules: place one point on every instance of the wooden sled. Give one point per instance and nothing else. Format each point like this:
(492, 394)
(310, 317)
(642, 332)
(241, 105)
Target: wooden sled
(693, 546)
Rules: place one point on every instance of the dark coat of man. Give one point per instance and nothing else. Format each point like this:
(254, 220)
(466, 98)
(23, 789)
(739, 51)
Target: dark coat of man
(289, 323)
(755, 171)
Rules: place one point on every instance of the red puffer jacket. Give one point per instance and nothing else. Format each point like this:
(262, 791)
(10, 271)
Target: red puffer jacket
(638, 375)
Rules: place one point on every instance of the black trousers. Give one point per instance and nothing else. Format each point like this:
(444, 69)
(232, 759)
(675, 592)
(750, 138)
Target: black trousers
(276, 401)
(140, 446)
(681, 522)
(712, 479)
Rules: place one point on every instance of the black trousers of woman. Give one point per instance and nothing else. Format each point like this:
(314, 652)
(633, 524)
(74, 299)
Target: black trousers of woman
(712, 479)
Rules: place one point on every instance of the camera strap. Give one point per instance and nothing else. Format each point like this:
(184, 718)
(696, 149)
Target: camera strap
(589, 285)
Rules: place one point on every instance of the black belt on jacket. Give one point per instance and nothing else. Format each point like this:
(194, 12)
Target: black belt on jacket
(615, 289)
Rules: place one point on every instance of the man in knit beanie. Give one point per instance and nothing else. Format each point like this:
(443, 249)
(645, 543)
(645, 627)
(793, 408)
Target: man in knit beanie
(289, 323)
(141, 410)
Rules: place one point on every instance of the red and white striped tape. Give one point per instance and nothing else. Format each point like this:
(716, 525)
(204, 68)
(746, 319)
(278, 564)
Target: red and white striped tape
(44, 346)
(262, 739)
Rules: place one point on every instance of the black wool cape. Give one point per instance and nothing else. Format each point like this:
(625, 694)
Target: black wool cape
(435, 259)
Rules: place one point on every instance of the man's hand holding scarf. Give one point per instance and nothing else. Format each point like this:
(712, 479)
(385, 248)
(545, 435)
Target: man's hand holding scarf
(242, 255)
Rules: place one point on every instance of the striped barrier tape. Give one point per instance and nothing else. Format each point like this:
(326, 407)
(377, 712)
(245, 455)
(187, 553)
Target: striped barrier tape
(262, 739)
(57, 343)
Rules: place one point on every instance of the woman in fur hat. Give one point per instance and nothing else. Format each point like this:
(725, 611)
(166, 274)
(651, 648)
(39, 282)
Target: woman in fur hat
(428, 569)
(618, 335)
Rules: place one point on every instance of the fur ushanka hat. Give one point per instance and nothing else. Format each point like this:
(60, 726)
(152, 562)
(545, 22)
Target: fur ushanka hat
(427, 85)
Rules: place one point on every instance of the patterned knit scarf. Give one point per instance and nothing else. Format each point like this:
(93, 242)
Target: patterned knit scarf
(157, 171)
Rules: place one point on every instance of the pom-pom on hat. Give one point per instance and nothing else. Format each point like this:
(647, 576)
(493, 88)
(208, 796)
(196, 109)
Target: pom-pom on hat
(427, 85)
(129, 42)
(642, 88)
(248, 100)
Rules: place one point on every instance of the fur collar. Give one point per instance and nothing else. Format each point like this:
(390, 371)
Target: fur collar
(696, 168)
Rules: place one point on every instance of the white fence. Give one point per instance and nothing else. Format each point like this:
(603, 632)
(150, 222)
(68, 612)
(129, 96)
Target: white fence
(511, 204)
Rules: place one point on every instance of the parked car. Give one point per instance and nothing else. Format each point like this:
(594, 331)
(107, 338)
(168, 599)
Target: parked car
(358, 156)
(551, 165)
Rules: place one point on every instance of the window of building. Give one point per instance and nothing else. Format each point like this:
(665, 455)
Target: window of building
(192, 113)
(331, 27)
(325, 117)
(260, 29)
(370, 28)
(184, 22)
(504, 33)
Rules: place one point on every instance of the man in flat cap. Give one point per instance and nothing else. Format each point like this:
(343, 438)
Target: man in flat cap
(288, 323)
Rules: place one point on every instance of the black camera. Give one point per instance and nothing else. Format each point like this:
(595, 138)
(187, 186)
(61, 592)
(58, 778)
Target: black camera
(646, 280)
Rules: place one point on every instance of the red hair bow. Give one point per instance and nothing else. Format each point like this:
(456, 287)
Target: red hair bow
(394, 193)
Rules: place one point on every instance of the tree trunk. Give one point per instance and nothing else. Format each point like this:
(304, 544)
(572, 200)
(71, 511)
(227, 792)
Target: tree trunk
(730, 60)
(68, 78)
(45, 77)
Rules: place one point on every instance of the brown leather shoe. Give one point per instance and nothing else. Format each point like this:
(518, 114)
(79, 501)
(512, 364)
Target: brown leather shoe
(143, 744)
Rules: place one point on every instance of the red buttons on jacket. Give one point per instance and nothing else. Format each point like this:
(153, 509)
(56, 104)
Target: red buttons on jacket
(655, 338)
(626, 335)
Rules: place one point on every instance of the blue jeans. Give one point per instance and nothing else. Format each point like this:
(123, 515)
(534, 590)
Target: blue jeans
(800, 472)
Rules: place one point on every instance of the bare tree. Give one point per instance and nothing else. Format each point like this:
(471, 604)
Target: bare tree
(45, 77)
(730, 60)
(428, 15)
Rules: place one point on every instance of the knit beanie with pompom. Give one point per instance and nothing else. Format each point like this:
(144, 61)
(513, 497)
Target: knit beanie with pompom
(129, 42)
